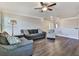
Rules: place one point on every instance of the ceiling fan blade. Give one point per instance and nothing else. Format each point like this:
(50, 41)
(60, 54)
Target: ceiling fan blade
(37, 8)
(41, 10)
(50, 9)
(42, 3)
(52, 4)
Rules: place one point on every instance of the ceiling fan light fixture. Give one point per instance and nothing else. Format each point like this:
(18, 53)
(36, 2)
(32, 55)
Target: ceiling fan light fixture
(44, 8)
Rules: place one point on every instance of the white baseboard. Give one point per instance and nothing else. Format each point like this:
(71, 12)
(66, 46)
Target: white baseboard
(69, 36)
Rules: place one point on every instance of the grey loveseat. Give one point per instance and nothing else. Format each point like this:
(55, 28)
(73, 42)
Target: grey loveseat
(34, 34)
(23, 49)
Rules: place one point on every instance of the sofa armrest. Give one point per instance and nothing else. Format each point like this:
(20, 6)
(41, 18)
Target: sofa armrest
(28, 37)
(44, 32)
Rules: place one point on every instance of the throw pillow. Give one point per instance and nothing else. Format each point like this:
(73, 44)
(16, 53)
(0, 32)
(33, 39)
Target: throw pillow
(33, 31)
(13, 40)
(39, 31)
(5, 34)
(3, 40)
(26, 32)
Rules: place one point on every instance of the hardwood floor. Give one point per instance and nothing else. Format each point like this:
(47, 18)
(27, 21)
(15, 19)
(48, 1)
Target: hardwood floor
(60, 47)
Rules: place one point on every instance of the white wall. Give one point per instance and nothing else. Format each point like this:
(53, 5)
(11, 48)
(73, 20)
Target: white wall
(69, 23)
(68, 27)
(23, 22)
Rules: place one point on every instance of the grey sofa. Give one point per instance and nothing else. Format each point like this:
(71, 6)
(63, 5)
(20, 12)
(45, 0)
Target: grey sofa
(34, 34)
(23, 49)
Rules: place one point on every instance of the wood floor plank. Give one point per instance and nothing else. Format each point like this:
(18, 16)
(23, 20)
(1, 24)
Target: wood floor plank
(62, 46)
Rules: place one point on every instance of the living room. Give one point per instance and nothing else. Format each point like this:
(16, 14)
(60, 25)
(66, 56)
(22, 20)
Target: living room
(40, 29)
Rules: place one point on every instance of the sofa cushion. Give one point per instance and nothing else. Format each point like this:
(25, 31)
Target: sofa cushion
(39, 31)
(34, 34)
(24, 42)
(26, 32)
(13, 40)
(3, 40)
(5, 34)
(33, 31)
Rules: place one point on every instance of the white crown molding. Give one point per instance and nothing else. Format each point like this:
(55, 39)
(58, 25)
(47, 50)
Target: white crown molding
(69, 18)
(20, 14)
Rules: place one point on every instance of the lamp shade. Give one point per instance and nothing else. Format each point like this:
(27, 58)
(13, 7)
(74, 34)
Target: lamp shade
(13, 22)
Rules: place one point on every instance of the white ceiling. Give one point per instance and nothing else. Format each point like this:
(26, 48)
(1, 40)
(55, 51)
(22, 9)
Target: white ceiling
(62, 9)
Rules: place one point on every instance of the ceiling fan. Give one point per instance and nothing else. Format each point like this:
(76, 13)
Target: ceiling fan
(46, 6)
